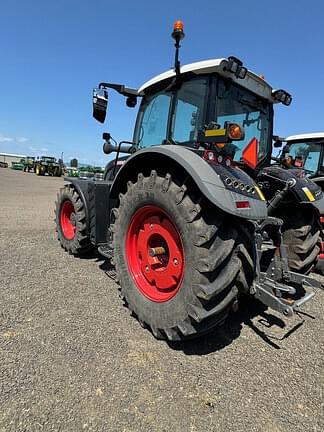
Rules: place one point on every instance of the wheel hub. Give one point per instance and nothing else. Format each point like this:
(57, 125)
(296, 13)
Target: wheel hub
(155, 253)
(68, 220)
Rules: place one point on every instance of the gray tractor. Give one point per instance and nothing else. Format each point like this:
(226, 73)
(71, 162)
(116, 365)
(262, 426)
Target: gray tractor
(185, 227)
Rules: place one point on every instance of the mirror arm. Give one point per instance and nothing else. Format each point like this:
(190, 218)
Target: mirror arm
(121, 89)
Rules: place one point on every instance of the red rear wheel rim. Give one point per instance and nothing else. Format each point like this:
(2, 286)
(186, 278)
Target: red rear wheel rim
(155, 254)
(67, 220)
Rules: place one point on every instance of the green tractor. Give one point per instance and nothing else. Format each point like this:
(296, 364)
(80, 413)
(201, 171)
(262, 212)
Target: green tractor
(92, 172)
(28, 163)
(47, 165)
(72, 171)
(182, 217)
(19, 166)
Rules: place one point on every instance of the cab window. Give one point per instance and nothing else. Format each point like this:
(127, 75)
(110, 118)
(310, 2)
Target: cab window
(189, 110)
(238, 105)
(152, 123)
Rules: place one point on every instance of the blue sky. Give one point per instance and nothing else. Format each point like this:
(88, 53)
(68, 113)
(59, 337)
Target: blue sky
(55, 52)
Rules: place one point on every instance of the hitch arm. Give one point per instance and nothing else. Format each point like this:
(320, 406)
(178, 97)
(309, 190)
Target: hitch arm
(265, 293)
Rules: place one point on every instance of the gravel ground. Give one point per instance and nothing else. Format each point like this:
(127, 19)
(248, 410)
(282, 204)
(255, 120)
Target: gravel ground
(73, 359)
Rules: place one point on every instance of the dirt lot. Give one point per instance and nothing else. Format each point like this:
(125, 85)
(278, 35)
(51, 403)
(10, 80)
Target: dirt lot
(72, 359)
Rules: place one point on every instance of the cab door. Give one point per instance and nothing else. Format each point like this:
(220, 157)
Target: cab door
(152, 122)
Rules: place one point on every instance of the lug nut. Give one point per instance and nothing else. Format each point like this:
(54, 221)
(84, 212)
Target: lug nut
(175, 261)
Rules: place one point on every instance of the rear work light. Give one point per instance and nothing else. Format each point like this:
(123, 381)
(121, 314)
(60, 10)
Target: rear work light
(235, 132)
(282, 96)
(235, 66)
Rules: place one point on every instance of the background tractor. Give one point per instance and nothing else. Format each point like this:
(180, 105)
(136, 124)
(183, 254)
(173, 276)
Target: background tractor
(47, 165)
(304, 154)
(28, 163)
(19, 166)
(186, 228)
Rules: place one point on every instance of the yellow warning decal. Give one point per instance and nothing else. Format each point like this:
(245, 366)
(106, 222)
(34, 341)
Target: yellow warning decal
(259, 193)
(215, 132)
(309, 194)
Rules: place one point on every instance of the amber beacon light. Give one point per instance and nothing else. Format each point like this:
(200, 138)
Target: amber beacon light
(178, 32)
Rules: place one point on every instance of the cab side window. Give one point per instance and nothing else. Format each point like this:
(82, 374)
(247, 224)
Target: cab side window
(189, 110)
(152, 124)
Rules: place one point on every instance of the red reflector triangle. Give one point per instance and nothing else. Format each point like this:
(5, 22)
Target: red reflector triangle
(250, 153)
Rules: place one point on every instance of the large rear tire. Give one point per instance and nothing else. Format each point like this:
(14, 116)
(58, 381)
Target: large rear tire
(301, 234)
(204, 258)
(71, 223)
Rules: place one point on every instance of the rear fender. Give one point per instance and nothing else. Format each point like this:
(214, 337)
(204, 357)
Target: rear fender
(209, 179)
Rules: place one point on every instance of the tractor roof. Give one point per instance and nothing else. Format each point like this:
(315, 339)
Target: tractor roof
(307, 136)
(252, 81)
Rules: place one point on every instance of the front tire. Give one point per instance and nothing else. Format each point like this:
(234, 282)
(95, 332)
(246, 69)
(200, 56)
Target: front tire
(204, 259)
(71, 223)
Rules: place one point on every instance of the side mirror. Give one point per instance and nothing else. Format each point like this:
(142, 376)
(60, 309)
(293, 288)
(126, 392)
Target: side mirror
(277, 141)
(100, 102)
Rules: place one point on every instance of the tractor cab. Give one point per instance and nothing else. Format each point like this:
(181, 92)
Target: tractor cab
(207, 98)
(194, 108)
(205, 105)
(305, 151)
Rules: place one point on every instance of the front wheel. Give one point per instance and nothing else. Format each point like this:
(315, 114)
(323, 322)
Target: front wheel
(71, 223)
(181, 265)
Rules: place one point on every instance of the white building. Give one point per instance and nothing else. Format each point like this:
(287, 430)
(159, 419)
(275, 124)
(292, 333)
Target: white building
(8, 157)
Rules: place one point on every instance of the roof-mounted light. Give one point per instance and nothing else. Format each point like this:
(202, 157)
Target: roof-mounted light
(235, 66)
(178, 33)
(282, 96)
